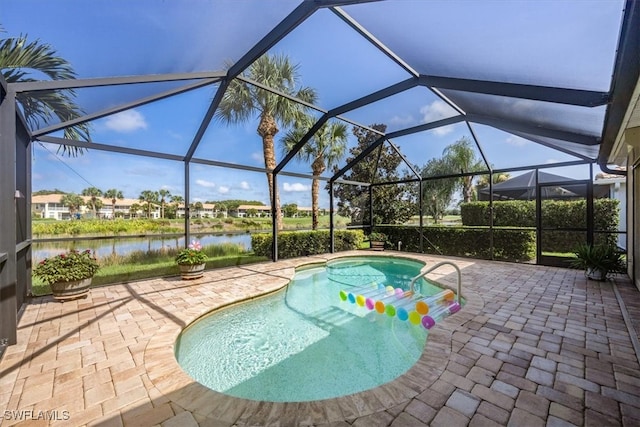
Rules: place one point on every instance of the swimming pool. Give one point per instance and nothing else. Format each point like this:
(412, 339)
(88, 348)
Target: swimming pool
(303, 343)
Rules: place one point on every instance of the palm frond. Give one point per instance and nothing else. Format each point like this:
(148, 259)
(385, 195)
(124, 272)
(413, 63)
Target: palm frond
(19, 58)
(18, 54)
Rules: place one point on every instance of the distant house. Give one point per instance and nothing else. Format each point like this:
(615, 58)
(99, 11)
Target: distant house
(208, 210)
(245, 211)
(261, 211)
(49, 206)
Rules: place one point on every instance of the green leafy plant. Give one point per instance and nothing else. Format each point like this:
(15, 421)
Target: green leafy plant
(598, 261)
(67, 267)
(192, 255)
(293, 244)
(376, 236)
(510, 244)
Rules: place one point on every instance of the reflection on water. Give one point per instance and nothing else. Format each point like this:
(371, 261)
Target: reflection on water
(126, 245)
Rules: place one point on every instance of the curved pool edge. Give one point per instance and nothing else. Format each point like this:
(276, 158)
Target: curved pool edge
(175, 385)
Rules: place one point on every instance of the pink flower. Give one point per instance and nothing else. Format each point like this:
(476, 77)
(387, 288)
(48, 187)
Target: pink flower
(195, 245)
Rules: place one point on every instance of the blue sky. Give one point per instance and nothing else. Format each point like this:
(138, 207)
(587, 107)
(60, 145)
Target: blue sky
(464, 39)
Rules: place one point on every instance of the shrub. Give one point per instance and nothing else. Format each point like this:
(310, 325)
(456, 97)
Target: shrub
(509, 244)
(555, 214)
(293, 244)
(70, 266)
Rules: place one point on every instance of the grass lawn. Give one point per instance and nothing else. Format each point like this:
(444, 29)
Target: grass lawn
(427, 220)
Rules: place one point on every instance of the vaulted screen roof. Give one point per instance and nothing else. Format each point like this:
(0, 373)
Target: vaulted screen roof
(504, 74)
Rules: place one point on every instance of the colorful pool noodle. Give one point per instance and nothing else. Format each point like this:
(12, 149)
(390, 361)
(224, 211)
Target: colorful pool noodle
(400, 309)
(403, 310)
(364, 296)
(370, 301)
(422, 306)
(371, 287)
(430, 320)
(382, 307)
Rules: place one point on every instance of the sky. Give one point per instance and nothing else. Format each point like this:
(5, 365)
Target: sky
(561, 43)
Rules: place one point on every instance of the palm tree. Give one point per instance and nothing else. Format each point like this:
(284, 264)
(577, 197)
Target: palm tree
(113, 194)
(163, 195)
(198, 207)
(461, 157)
(18, 58)
(437, 193)
(93, 203)
(242, 101)
(72, 201)
(221, 208)
(134, 209)
(177, 200)
(324, 150)
(149, 197)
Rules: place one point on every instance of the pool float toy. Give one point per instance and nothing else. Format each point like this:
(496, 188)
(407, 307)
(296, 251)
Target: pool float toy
(381, 304)
(422, 306)
(430, 320)
(406, 305)
(362, 297)
(350, 294)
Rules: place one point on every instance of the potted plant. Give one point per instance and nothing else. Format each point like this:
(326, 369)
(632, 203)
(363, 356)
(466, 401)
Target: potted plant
(68, 274)
(598, 261)
(377, 241)
(191, 261)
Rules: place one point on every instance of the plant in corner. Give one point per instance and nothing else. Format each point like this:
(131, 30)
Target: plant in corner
(191, 261)
(377, 240)
(68, 274)
(598, 261)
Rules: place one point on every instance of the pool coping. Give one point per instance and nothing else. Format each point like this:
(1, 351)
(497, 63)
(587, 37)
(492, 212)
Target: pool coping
(170, 380)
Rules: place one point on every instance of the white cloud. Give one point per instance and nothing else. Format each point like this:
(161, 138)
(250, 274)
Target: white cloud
(437, 110)
(550, 161)
(244, 185)
(203, 183)
(258, 157)
(402, 121)
(223, 190)
(516, 140)
(443, 130)
(295, 187)
(126, 121)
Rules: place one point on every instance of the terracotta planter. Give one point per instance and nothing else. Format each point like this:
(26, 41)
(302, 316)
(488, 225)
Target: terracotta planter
(377, 246)
(191, 271)
(63, 291)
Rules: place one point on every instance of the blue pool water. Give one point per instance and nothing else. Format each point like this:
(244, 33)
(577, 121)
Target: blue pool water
(303, 343)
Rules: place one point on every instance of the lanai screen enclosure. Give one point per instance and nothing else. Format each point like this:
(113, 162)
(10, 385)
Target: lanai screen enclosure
(509, 76)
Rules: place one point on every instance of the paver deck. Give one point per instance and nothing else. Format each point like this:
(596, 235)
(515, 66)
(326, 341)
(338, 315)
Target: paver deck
(533, 346)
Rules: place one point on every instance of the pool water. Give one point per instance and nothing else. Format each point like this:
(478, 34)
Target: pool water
(303, 343)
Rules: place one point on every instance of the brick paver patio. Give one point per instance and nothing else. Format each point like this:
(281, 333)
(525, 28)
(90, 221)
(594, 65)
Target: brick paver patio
(534, 346)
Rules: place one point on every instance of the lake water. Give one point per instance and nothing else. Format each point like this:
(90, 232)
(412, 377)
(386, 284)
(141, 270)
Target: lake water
(126, 245)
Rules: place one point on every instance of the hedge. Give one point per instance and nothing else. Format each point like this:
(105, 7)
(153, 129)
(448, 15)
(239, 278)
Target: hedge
(555, 214)
(293, 244)
(474, 242)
